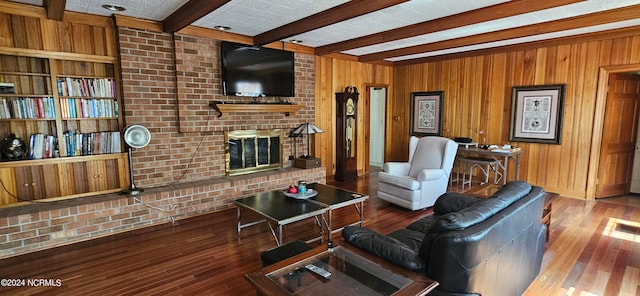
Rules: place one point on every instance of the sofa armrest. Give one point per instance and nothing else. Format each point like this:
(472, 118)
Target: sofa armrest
(430, 174)
(397, 168)
(385, 247)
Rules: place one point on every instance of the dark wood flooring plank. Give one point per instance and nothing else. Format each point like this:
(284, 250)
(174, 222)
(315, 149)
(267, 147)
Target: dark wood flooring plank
(203, 256)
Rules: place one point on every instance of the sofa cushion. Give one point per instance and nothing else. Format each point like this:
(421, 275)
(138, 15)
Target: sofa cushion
(423, 224)
(483, 209)
(512, 191)
(410, 238)
(384, 246)
(400, 181)
(453, 202)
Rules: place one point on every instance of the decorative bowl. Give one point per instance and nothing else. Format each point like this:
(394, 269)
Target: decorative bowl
(310, 193)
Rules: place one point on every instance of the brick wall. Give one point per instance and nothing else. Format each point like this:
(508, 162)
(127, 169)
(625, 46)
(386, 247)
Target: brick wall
(68, 221)
(191, 147)
(167, 84)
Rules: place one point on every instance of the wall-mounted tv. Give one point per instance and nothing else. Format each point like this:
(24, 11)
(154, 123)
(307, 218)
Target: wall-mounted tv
(256, 71)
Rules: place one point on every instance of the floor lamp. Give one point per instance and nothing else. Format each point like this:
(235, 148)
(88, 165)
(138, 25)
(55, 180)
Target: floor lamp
(136, 136)
(307, 161)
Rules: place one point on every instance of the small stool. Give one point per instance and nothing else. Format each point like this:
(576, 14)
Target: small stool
(285, 251)
(486, 165)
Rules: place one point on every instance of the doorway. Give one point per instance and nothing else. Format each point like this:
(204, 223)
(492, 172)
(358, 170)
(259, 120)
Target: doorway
(617, 109)
(377, 108)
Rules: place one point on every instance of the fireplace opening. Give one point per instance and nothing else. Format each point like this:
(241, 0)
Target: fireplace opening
(250, 151)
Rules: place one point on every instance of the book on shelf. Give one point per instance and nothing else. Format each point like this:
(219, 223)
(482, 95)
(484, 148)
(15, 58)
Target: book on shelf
(78, 144)
(86, 87)
(27, 108)
(42, 146)
(88, 108)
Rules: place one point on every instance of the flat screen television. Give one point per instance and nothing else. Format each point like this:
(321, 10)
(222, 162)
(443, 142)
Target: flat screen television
(256, 71)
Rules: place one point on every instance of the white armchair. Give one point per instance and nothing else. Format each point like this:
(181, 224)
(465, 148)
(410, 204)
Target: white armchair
(417, 183)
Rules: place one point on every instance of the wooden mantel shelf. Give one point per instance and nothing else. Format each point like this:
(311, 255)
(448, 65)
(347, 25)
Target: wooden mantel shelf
(287, 109)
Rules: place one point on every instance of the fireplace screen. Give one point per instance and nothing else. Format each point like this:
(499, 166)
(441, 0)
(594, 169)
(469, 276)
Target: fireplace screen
(250, 151)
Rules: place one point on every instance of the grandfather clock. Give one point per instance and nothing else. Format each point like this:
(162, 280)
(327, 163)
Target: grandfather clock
(346, 148)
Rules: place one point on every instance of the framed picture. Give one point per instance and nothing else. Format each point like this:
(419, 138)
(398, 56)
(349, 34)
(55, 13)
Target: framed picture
(426, 113)
(536, 113)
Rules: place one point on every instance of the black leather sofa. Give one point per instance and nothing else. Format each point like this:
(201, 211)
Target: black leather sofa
(471, 246)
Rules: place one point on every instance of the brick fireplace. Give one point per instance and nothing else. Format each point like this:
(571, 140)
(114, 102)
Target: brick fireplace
(250, 151)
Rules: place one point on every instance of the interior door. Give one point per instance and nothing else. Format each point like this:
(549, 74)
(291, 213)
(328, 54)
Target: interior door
(377, 129)
(635, 174)
(619, 135)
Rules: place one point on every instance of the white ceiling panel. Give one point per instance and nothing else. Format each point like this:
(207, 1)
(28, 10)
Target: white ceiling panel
(250, 17)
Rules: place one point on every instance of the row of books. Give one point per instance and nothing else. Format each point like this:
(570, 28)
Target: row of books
(27, 108)
(91, 143)
(46, 146)
(89, 108)
(87, 87)
(42, 146)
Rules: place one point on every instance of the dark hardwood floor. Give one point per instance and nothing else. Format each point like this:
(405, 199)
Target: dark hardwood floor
(594, 249)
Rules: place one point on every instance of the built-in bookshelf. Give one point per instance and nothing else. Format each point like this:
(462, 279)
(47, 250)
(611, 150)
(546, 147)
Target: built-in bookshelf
(66, 113)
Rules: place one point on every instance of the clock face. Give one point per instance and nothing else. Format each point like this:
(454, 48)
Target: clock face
(351, 108)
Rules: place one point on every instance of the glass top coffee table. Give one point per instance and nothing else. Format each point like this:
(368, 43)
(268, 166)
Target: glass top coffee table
(279, 209)
(352, 272)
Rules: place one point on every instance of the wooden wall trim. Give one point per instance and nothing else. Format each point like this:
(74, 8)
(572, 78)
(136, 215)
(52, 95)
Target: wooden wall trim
(215, 34)
(58, 55)
(23, 9)
(136, 23)
(40, 12)
(88, 19)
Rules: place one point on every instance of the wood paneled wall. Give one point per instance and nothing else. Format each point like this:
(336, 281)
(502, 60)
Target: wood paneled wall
(26, 29)
(477, 96)
(332, 76)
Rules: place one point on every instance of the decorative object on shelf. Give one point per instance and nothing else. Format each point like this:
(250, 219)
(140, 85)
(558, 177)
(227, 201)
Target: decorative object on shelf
(13, 148)
(7, 88)
(136, 136)
(307, 161)
(536, 113)
(483, 136)
(346, 134)
(426, 113)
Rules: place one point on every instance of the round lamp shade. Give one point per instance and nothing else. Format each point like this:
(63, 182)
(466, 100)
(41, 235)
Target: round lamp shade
(137, 136)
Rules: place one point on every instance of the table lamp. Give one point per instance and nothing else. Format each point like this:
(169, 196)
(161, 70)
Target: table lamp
(307, 161)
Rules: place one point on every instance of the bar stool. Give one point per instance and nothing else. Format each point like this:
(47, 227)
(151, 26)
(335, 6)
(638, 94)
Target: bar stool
(486, 165)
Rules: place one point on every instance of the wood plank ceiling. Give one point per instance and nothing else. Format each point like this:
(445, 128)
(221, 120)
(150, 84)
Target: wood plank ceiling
(380, 30)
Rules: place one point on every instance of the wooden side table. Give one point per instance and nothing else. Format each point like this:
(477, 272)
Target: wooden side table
(486, 190)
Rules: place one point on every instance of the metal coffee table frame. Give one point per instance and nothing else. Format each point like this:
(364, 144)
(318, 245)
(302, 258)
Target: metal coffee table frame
(276, 208)
(335, 198)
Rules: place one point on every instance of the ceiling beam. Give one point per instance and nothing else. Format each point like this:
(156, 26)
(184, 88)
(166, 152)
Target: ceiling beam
(55, 9)
(598, 18)
(189, 13)
(351, 9)
(476, 16)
